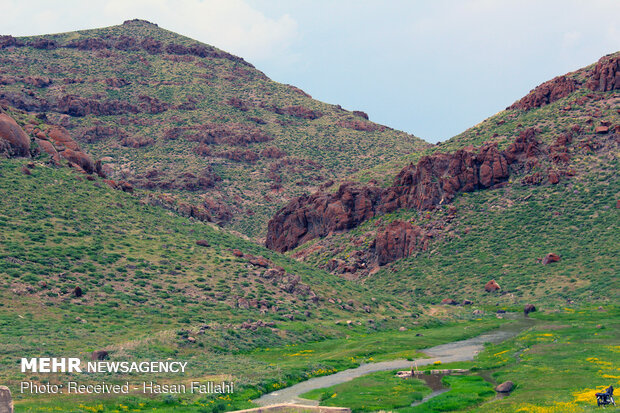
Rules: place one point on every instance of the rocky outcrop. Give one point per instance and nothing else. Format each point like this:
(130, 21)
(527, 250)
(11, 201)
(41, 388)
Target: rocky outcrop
(312, 216)
(57, 142)
(13, 139)
(605, 76)
(547, 92)
(435, 180)
(398, 240)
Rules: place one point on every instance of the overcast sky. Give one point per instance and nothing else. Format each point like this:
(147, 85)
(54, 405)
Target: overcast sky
(431, 68)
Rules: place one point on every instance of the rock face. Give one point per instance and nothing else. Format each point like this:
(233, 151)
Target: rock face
(491, 286)
(316, 215)
(398, 240)
(505, 387)
(606, 75)
(435, 180)
(547, 92)
(13, 140)
(6, 401)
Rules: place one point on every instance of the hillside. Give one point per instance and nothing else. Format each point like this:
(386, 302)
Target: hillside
(86, 267)
(198, 130)
(492, 203)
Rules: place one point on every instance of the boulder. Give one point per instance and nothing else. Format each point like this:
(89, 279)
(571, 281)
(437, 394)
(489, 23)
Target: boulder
(549, 258)
(202, 243)
(554, 178)
(13, 140)
(601, 129)
(260, 262)
(529, 308)
(449, 301)
(99, 355)
(467, 302)
(505, 387)
(6, 401)
(491, 286)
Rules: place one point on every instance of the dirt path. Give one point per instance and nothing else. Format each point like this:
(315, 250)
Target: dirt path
(464, 350)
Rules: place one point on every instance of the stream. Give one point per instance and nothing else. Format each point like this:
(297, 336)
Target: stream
(463, 350)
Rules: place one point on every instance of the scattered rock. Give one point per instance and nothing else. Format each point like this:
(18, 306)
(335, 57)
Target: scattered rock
(549, 258)
(553, 178)
(491, 286)
(505, 387)
(529, 308)
(601, 129)
(99, 355)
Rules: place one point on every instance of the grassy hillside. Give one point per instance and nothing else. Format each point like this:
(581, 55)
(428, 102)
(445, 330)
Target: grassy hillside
(157, 106)
(504, 233)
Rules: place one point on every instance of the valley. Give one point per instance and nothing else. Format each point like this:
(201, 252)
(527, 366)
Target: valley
(161, 199)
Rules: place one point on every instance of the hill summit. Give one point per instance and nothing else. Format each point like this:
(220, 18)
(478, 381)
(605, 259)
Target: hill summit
(191, 127)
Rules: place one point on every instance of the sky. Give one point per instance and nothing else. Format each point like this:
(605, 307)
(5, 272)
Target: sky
(430, 68)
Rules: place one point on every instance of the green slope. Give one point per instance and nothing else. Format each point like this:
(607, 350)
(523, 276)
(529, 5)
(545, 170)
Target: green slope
(265, 141)
(503, 234)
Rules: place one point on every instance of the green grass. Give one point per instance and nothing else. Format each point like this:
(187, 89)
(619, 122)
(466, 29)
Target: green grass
(465, 392)
(372, 392)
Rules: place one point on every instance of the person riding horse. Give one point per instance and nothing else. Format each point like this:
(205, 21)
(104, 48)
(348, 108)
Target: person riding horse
(603, 399)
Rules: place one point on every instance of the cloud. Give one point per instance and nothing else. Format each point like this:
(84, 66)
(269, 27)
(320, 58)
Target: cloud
(232, 25)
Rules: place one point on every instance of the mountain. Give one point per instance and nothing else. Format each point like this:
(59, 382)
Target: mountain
(533, 185)
(193, 128)
(141, 171)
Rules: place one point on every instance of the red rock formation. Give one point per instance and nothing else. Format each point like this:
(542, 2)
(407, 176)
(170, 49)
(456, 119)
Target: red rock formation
(312, 216)
(547, 92)
(398, 240)
(435, 180)
(13, 140)
(301, 112)
(360, 114)
(606, 75)
(491, 286)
